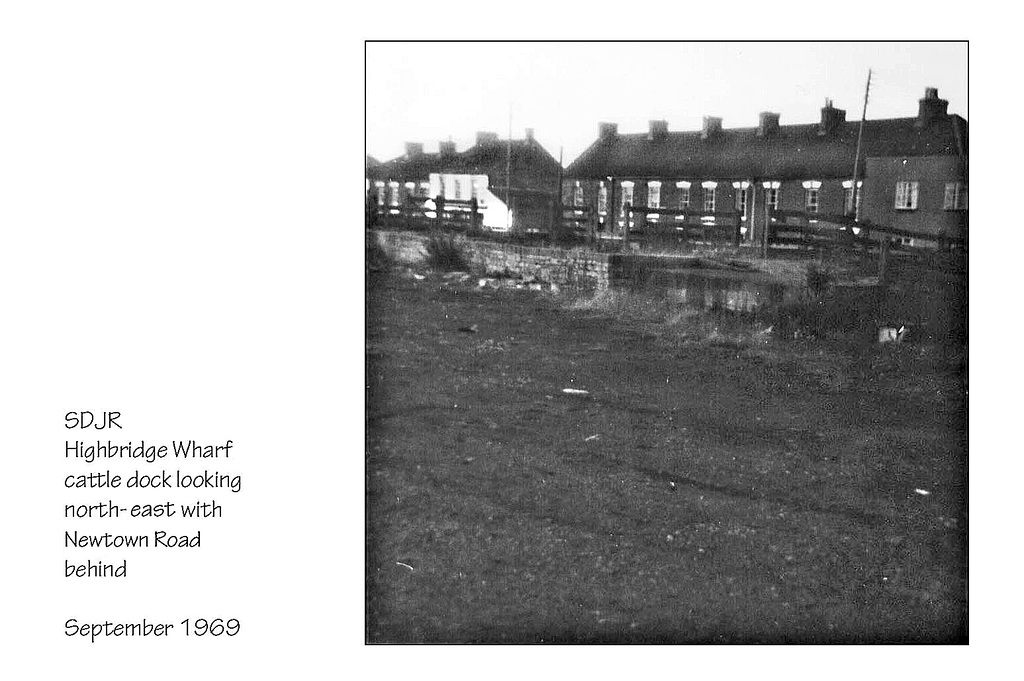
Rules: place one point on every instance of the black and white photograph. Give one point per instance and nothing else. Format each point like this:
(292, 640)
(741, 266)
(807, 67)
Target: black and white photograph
(666, 342)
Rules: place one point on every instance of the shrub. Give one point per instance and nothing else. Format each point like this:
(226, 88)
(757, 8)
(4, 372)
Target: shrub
(444, 253)
(819, 280)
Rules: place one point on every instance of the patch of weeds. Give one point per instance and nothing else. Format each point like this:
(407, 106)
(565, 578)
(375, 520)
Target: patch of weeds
(445, 253)
(377, 258)
(624, 305)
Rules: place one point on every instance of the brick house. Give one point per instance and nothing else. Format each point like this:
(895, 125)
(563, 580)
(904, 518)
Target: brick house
(480, 172)
(912, 172)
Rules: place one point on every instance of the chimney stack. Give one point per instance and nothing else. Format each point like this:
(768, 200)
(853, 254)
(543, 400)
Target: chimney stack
(529, 134)
(931, 108)
(658, 130)
(607, 131)
(413, 149)
(832, 119)
(712, 127)
(486, 138)
(768, 124)
(446, 148)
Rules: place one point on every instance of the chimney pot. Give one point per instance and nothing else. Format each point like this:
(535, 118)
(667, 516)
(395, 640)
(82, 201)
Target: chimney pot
(529, 134)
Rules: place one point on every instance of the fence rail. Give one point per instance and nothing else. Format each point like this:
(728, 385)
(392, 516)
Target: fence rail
(813, 231)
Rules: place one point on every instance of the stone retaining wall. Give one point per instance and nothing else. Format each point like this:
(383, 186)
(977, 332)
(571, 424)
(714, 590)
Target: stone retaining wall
(574, 268)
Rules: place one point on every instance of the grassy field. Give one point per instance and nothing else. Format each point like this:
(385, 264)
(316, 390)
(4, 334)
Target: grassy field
(705, 488)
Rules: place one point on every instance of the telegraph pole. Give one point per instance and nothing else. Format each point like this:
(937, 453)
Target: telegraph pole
(860, 135)
(508, 173)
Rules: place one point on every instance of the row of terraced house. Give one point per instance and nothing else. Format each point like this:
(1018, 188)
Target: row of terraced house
(911, 174)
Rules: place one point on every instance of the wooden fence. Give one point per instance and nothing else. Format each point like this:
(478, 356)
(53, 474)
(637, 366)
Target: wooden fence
(795, 230)
(421, 213)
(788, 232)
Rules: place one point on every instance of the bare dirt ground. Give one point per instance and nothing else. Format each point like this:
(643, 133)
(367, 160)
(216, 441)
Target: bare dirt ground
(698, 492)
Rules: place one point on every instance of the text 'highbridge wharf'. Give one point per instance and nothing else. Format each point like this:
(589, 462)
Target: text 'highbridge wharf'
(178, 449)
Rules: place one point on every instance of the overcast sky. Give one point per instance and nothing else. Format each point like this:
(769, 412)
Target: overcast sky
(425, 92)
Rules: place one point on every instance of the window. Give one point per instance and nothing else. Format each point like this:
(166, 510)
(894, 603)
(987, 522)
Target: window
(811, 200)
(771, 194)
(684, 194)
(653, 199)
(627, 196)
(654, 194)
(906, 195)
(424, 189)
(811, 196)
(709, 196)
(381, 193)
(577, 194)
(741, 197)
(602, 199)
(955, 197)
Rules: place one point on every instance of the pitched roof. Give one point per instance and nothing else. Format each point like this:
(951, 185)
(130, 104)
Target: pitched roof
(792, 152)
(528, 159)
(526, 155)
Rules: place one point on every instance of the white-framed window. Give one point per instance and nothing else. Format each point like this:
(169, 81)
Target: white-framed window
(653, 199)
(955, 197)
(577, 194)
(741, 197)
(627, 196)
(602, 199)
(811, 195)
(906, 195)
(771, 194)
(684, 195)
(654, 194)
(381, 193)
(709, 196)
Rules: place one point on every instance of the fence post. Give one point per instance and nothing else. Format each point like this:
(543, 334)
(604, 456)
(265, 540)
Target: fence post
(474, 216)
(883, 260)
(767, 228)
(739, 225)
(439, 209)
(627, 213)
(408, 210)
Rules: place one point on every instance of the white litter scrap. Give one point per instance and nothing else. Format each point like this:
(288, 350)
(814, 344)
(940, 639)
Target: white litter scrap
(574, 391)
(592, 437)
(406, 565)
(922, 492)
